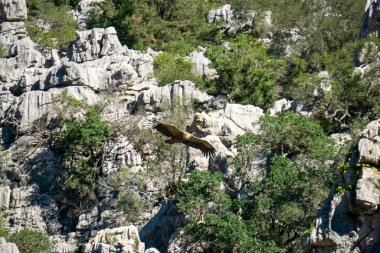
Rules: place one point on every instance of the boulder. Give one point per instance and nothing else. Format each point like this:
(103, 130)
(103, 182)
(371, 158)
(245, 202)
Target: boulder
(5, 194)
(201, 64)
(178, 93)
(13, 10)
(369, 144)
(122, 239)
(7, 247)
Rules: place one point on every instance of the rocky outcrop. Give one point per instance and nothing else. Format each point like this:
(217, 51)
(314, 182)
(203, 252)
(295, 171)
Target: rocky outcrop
(121, 239)
(369, 144)
(13, 10)
(177, 93)
(349, 222)
(371, 18)
(230, 23)
(84, 9)
(201, 64)
(6, 247)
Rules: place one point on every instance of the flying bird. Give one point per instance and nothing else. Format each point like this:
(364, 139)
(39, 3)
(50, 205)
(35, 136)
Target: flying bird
(179, 136)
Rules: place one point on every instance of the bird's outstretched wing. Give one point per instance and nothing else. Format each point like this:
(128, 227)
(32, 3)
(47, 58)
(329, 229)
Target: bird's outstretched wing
(184, 137)
(203, 145)
(167, 130)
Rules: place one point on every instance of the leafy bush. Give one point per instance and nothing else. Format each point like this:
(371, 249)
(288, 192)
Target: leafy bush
(298, 181)
(159, 24)
(214, 218)
(81, 141)
(31, 241)
(168, 68)
(247, 74)
(60, 26)
(27, 240)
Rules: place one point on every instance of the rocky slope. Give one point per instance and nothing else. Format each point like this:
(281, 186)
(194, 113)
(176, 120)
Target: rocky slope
(96, 67)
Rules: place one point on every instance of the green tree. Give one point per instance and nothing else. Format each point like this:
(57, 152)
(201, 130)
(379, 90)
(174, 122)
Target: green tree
(31, 241)
(81, 141)
(168, 68)
(247, 74)
(60, 26)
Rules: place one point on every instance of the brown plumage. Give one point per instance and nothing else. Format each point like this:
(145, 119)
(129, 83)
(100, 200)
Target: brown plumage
(179, 136)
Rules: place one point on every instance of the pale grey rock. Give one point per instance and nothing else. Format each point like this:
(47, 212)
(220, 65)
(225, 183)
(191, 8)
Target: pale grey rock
(156, 98)
(341, 139)
(88, 219)
(122, 239)
(370, 24)
(35, 105)
(92, 44)
(64, 247)
(367, 194)
(234, 120)
(5, 194)
(13, 10)
(22, 196)
(26, 54)
(369, 144)
(197, 161)
(30, 217)
(120, 154)
(84, 9)
(280, 106)
(7, 247)
(201, 64)
(99, 61)
(225, 18)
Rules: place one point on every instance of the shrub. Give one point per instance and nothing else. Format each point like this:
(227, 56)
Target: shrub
(31, 241)
(81, 141)
(168, 68)
(247, 74)
(60, 26)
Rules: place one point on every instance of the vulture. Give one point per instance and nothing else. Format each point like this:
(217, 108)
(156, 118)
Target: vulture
(178, 136)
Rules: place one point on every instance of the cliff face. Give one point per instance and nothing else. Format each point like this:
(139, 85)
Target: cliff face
(96, 67)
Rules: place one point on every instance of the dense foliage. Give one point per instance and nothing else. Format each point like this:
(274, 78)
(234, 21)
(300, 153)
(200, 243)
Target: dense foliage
(26, 240)
(81, 140)
(280, 207)
(168, 68)
(311, 57)
(50, 24)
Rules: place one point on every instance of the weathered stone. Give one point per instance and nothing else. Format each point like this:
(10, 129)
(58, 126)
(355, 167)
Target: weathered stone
(178, 93)
(84, 10)
(121, 239)
(13, 10)
(234, 120)
(280, 106)
(201, 63)
(7, 247)
(120, 154)
(88, 219)
(224, 17)
(369, 144)
(5, 193)
(370, 24)
(367, 192)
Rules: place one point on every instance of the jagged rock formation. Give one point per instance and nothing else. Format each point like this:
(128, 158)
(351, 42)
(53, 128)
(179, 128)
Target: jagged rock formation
(228, 22)
(6, 247)
(349, 222)
(95, 67)
(371, 20)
